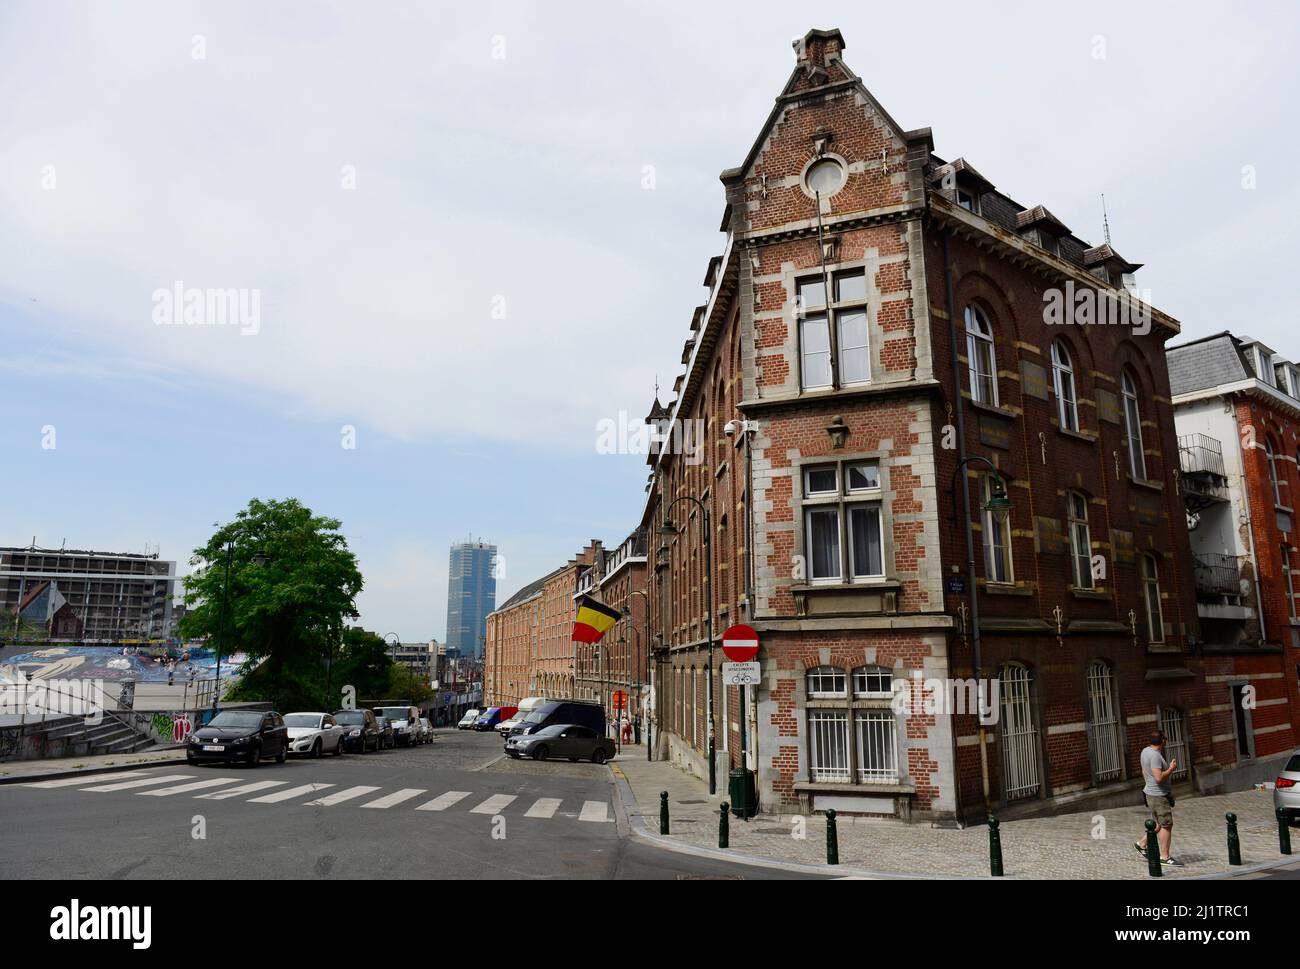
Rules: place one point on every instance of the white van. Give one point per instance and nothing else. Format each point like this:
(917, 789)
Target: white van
(526, 706)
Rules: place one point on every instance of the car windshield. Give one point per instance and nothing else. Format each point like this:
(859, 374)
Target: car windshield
(350, 716)
(1293, 766)
(241, 719)
(302, 720)
(551, 731)
(488, 713)
(393, 713)
(540, 714)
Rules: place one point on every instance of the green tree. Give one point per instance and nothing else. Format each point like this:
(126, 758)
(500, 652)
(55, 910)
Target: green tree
(363, 663)
(292, 586)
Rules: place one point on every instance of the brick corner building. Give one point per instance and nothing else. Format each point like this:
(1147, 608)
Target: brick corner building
(873, 357)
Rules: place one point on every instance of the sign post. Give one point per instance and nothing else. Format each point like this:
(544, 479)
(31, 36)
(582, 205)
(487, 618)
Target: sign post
(740, 645)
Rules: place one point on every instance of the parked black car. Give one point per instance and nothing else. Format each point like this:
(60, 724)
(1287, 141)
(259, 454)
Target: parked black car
(387, 735)
(363, 731)
(586, 714)
(240, 735)
(562, 740)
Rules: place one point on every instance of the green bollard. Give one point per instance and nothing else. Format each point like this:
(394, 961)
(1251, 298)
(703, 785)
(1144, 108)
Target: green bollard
(1283, 832)
(995, 848)
(1153, 850)
(722, 824)
(1234, 840)
(832, 839)
(663, 812)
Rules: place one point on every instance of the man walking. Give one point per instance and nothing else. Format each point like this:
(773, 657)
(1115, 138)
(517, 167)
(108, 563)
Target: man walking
(1159, 795)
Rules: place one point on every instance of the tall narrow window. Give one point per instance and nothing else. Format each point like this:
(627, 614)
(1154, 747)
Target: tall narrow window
(1272, 471)
(851, 323)
(814, 335)
(981, 360)
(997, 538)
(1133, 427)
(1151, 596)
(1067, 410)
(1103, 723)
(1290, 584)
(1080, 539)
(1020, 749)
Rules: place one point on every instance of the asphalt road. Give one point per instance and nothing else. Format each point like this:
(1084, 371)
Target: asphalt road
(451, 809)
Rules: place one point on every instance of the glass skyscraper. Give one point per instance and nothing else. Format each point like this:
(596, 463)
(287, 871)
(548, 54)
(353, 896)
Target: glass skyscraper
(471, 595)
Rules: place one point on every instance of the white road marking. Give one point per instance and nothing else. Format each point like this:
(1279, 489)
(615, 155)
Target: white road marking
(338, 797)
(155, 779)
(291, 793)
(244, 789)
(594, 811)
(74, 781)
(444, 801)
(493, 805)
(183, 788)
(405, 794)
(543, 807)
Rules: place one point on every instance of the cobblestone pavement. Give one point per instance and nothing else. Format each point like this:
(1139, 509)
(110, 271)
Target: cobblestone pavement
(1096, 844)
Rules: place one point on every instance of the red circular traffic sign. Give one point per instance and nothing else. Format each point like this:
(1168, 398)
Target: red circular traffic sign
(740, 643)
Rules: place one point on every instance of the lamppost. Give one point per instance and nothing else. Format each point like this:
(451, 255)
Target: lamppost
(668, 528)
(645, 645)
(999, 506)
(397, 646)
(259, 558)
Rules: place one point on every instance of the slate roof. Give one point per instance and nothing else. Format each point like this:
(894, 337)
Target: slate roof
(1208, 362)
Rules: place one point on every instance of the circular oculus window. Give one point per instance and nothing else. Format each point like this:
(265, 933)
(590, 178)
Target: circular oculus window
(824, 177)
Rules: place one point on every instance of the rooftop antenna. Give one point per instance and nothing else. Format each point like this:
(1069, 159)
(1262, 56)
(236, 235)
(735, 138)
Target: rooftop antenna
(1105, 221)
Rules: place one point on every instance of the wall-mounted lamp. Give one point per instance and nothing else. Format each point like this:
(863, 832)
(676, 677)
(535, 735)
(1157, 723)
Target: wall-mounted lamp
(838, 430)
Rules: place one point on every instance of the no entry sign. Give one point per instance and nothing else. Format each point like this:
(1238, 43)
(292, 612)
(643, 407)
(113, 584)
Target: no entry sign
(740, 643)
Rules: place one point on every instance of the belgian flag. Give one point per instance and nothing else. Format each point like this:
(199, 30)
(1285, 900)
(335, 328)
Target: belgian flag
(594, 619)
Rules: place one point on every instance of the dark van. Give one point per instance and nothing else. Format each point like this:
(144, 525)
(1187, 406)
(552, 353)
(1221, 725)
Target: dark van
(584, 713)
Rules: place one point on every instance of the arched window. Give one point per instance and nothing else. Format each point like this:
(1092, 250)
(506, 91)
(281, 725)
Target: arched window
(1151, 596)
(1104, 745)
(982, 361)
(1133, 427)
(873, 681)
(1067, 410)
(1272, 471)
(1076, 510)
(826, 681)
(1020, 755)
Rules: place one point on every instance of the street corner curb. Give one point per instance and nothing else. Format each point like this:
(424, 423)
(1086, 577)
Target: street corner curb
(106, 769)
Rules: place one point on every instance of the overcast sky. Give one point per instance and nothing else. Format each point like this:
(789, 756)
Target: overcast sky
(476, 233)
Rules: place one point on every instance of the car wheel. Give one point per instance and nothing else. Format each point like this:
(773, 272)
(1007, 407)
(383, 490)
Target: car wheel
(338, 748)
(283, 755)
(598, 756)
(255, 756)
(315, 750)
(542, 752)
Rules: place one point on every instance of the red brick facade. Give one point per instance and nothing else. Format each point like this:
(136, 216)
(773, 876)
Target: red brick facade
(884, 239)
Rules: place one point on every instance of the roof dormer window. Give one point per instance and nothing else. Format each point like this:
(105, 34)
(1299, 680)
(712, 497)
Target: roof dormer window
(968, 200)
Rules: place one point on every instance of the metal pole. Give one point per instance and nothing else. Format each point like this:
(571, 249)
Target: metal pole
(708, 585)
(959, 408)
(221, 625)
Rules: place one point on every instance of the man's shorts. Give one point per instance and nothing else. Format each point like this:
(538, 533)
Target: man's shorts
(1162, 809)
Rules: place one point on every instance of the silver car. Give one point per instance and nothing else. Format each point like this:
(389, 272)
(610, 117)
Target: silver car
(1286, 789)
(313, 734)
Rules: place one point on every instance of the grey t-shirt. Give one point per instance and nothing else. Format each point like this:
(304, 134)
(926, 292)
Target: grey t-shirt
(1153, 759)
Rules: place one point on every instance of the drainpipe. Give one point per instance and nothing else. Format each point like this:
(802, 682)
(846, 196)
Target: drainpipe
(1250, 527)
(965, 496)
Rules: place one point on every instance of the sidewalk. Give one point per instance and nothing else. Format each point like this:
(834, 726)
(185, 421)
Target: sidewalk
(16, 771)
(1070, 846)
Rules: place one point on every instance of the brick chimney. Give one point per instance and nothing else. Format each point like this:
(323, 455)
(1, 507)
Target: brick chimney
(818, 47)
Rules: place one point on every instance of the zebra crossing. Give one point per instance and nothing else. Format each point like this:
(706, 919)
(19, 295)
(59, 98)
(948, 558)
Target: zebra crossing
(326, 795)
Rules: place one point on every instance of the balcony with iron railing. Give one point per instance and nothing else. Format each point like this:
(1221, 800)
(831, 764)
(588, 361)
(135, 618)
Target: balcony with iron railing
(1217, 574)
(1205, 479)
